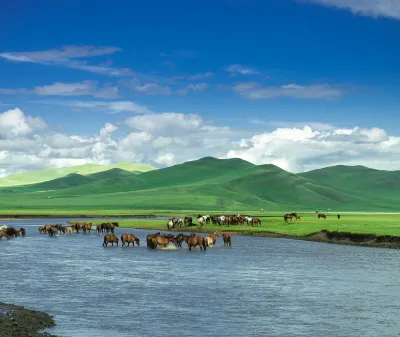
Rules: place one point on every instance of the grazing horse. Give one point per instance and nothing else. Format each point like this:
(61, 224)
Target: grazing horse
(110, 238)
(86, 227)
(297, 218)
(288, 217)
(8, 237)
(12, 232)
(149, 237)
(320, 215)
(201, 220)
(338, 216)
(161, 240)
(129, 238)
(196, 240)
(227, 237)
(256, 222)
(188, 221)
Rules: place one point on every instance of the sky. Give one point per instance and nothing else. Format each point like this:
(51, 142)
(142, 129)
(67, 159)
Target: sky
(301, 84)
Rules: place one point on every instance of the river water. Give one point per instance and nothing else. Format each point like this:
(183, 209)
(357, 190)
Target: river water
(257, 287)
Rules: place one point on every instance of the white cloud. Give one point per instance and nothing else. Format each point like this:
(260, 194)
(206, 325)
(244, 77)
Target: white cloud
(239, 69)
(85, 88)
(254, 90)
(172, 138)
(288, 124)
(153, 89)
(70, 57)
(200, 76)
(374, 8)
(193, 87)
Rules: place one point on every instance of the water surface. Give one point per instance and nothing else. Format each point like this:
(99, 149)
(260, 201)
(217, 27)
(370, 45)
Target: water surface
(258, 287)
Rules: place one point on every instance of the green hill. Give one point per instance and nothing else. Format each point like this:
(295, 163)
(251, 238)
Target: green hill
(211, 184)
(358, 178)
(33, 177)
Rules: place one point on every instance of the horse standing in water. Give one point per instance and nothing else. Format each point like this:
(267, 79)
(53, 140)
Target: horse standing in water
(161, 240)
(196, 240)
(211, 239)
(110, 238)
(227, 237)
(129, 238)
(180, 238)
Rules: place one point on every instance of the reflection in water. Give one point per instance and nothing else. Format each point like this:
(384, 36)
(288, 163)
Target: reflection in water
(258, 287)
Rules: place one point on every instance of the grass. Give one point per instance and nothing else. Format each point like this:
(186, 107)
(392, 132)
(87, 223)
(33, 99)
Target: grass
(379, 224)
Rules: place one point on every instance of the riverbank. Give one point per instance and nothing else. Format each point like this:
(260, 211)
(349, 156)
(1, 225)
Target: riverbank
(17, 321)
(370, 230)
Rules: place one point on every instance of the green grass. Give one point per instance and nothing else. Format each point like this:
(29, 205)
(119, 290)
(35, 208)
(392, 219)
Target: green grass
(379, 224)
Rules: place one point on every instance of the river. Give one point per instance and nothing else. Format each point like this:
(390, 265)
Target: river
(257, 287)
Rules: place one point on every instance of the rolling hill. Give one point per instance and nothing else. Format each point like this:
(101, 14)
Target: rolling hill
(211, 184)
(38, 176)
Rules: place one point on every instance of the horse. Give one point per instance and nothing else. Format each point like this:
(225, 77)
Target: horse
(161, 240)
(256, 222)
(196, 240)
(110, 238)
(201, 220)
(98, 229)
(8, 237)
(288, 217)
(209, 241)
(69, 229)
(41, 229)
(22, 231)
(180, 238)
(3, 228)
(77, 227)
(188, 221)
(338, 216)
(214, 219)
(297, 218)
(213, 237)
(227, 237)
(129, 238)
(52, 231)
(170, 224)
(149, 237)
(320, 215)
(10, 231)
(60, 228)
(86, 227)
(221, 220)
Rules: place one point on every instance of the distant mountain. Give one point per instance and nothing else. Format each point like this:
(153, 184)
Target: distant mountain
(38, 176)
(213, 184)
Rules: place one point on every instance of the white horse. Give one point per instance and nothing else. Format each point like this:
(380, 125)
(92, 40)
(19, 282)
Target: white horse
(248, 219)
(201, 220)
(179, 222)
(221, 219)
(3, 228)
(209, 241)
(170, 224)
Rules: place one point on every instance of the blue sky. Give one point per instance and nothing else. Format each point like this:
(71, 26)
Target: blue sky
(237, 69)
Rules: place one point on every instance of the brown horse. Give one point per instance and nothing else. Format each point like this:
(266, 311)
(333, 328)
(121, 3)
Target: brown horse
(227, 237)
(196, 240)
(52, 231)
(98, 229)
(41, 229)
(86, 227)
(8, 237)
(297, 218)
(320, 215)
(256, 221)
(110, 238)
(288, 217)
(129, 238)
(161, 240)
(180, 238)
(149, 237)
(77, 227)
(213, 238)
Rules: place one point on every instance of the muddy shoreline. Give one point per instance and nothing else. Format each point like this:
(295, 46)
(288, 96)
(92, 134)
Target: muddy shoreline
(17, 321)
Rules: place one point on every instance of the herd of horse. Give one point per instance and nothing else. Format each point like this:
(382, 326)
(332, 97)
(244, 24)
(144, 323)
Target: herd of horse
(214, 219)
(163, 240)
(153, 240)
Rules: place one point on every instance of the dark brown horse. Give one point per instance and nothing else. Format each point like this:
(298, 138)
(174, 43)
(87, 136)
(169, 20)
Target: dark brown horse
(180, 238)
(11, 231)
(196, 240)
(22, 231)
(188, 221)
(320, 215)
(98, 229)
(256, 222)
(288, 217)
(77, 227)
(129, 238)
(110, 238)
(52, 231)
(227, 237)
(149, 237)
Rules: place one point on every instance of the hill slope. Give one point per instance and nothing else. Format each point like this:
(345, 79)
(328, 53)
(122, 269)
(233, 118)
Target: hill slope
(33, 177)
(205, 184)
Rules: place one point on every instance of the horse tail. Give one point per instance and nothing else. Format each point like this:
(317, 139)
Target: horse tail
(204, 243)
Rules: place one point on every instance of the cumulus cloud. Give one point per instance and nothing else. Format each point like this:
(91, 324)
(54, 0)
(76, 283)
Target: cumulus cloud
(254, 90)
(288, 124)
(374, 8)
(171, 138)
(193, 87)
(70, 57)
(235, 69)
